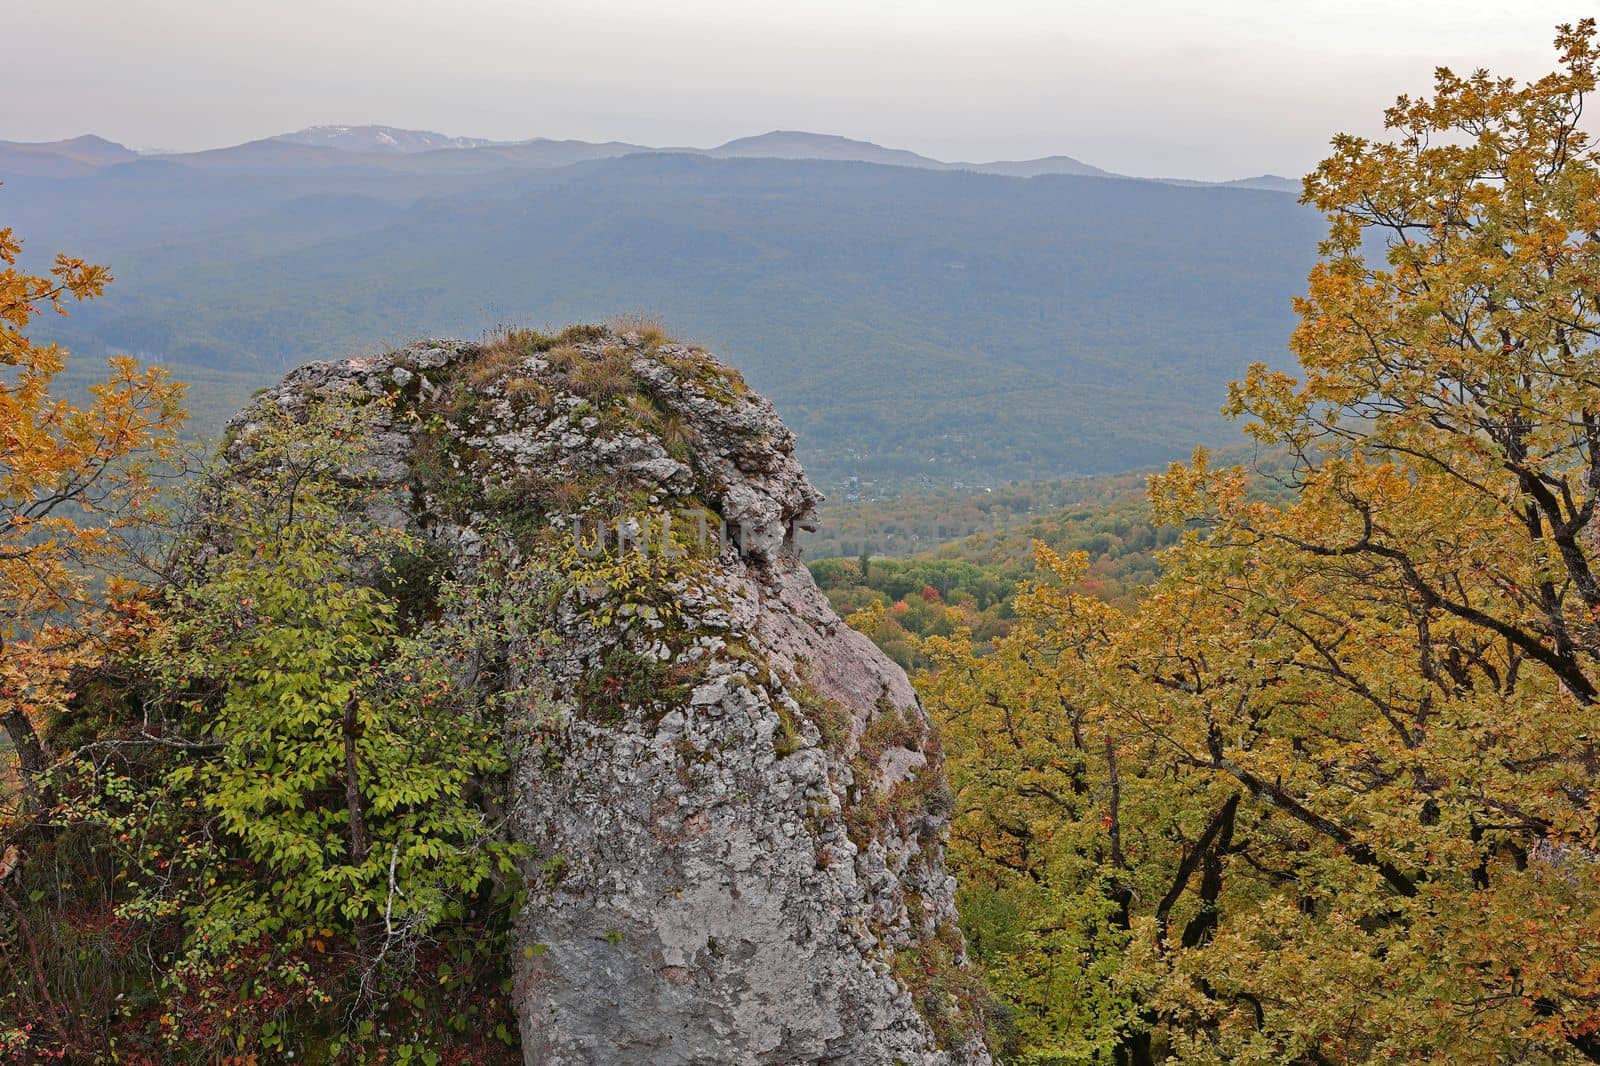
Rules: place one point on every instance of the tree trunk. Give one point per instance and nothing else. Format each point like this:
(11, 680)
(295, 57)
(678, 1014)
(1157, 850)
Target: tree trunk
(1203, 924)
(352, 786)
(33, 758)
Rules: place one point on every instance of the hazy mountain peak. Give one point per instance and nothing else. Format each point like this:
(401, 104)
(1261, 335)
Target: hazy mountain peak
(799, 144)
(1274, 182)
(93, 142)
(61, 159)
(781, 138)
(87, 148)
(381, 139)
(1030, 168)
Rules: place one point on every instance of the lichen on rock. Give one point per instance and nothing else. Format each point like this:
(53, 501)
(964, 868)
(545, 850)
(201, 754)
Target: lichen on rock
(733, 801)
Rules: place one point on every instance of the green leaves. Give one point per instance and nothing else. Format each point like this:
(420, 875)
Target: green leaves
(335, 761)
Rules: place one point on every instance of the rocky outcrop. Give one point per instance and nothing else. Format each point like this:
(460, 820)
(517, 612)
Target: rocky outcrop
(732, 802)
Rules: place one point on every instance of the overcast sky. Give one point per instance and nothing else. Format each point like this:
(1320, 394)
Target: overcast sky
(1213, 89)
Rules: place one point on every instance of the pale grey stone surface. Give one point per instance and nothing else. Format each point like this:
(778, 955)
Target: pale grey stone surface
(709, 884)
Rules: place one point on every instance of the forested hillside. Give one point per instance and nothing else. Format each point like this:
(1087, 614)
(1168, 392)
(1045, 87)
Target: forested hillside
(918, 328)
(921, 522)
(899, 594)
(480, 701)
(932, 564)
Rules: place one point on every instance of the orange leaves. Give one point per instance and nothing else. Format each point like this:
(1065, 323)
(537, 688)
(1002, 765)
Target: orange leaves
(1270, 396)
(73, 480)
(1385, 642)
(1483, 202)
(82, 279)
(22, 296)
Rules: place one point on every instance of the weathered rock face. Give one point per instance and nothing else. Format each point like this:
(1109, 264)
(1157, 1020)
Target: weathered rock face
(732, 801)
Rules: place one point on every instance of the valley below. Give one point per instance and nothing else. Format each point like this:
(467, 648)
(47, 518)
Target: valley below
(923, 326)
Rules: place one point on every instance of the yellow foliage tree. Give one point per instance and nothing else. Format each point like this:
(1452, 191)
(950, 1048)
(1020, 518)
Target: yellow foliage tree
(1329, 794)
(73, 481)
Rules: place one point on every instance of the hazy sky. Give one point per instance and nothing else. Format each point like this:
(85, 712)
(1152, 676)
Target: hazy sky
(1206, 89)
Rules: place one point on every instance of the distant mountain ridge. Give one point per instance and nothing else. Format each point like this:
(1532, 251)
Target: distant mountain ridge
(797, 144)
(919, 326)
(380, 139)
(62, 158)
(1032, 168)
(393, 149)
(1274, 182)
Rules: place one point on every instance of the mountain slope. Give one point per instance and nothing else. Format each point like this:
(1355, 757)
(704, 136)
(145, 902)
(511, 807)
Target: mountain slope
(77, 155)
(379, 139)
(537, 154)
(797, 144)
(915, 326)
(1032, 168)
(391, 149)
(1272, 182)
(277, 155)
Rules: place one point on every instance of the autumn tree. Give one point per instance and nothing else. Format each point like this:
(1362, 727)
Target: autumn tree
(1330, 788)
(73, 481)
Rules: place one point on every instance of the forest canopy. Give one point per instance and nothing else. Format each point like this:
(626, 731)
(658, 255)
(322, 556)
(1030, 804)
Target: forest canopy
(1326, 792)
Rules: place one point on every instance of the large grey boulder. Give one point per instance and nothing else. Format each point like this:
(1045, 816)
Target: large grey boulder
(733, 802)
